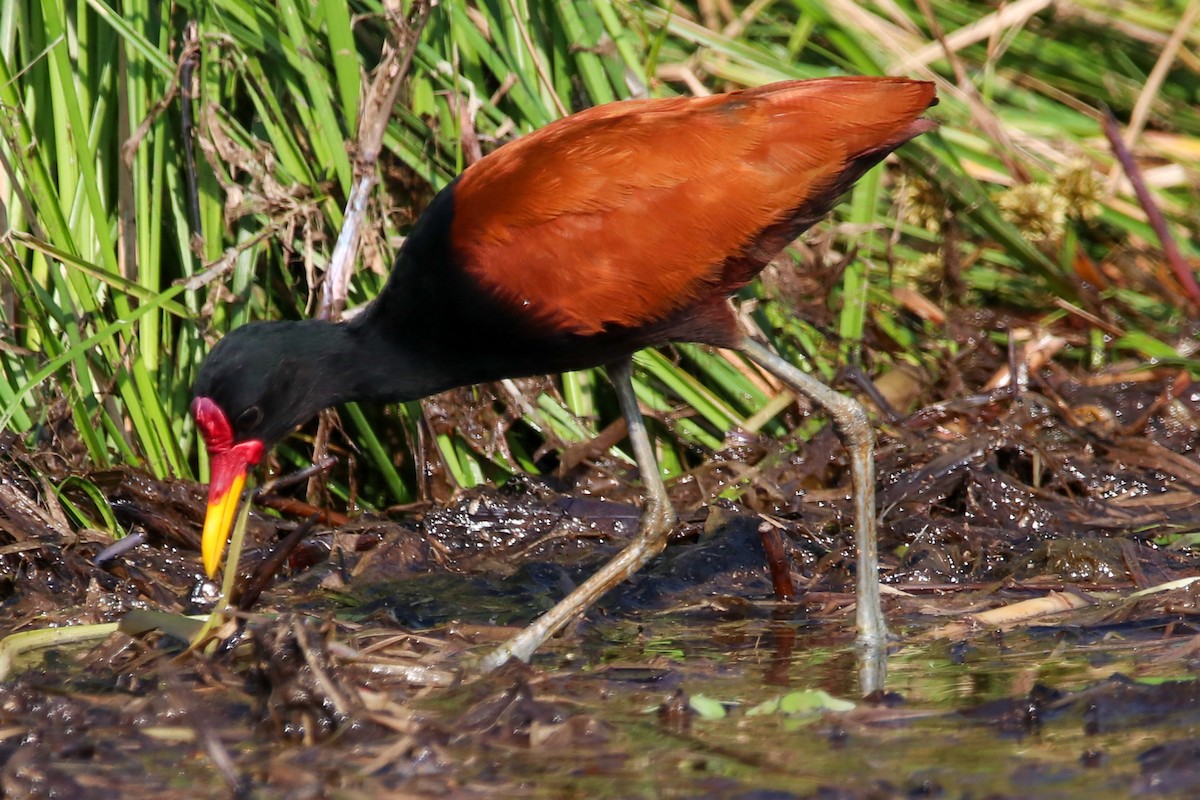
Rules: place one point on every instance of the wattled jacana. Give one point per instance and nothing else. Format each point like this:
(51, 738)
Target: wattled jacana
(622, 227)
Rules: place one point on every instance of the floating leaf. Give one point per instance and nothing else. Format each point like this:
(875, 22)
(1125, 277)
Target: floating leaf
(805, 702)
(707, 707)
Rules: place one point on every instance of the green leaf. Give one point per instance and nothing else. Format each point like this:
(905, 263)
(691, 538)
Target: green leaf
(807, 702)
(707, 707)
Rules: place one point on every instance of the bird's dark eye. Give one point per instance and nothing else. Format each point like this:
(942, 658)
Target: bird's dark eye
(249, 418)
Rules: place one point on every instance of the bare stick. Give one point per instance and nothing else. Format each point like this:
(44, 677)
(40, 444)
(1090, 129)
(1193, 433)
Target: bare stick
(1154, 216)
(376, 111)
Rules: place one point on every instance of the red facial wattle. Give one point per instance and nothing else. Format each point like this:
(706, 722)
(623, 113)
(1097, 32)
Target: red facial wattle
(229, 463)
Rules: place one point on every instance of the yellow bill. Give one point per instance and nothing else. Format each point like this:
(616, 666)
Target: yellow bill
(218, 520)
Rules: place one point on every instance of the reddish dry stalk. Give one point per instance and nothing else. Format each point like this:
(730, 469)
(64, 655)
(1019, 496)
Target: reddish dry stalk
(777, 561)
(1154, 216)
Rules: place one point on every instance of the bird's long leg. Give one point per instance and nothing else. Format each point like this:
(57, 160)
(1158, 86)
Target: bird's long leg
(854, 428)
(658, 517)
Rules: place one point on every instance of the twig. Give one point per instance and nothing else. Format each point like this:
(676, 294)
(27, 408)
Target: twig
(1183, 272)
(120, 547)
(777, 560)
(189, 61)
(292, 478)
(373, 118)
(1004, 19)
(1154, 82)
(538, 66)
(376, 111)
(272, 563)
(983, 117)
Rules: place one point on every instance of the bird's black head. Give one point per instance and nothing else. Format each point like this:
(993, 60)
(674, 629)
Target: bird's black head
(257, 384)
(266, 378)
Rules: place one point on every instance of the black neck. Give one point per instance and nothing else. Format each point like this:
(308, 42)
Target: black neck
(385, 358)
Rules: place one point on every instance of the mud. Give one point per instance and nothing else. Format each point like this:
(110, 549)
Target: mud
(696, 678)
